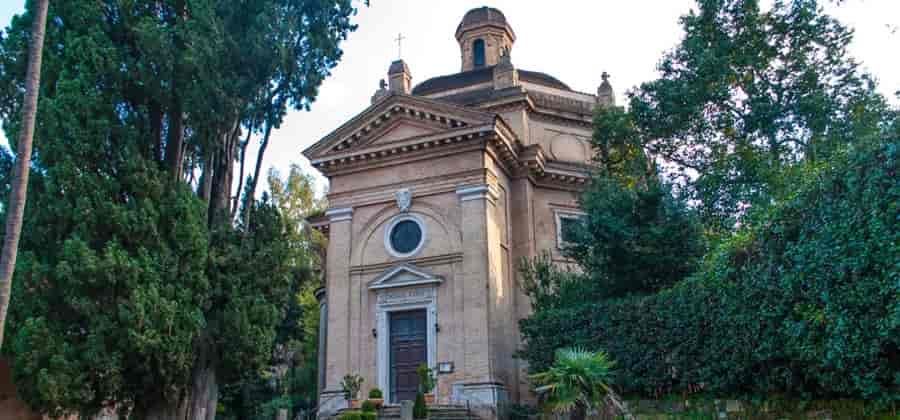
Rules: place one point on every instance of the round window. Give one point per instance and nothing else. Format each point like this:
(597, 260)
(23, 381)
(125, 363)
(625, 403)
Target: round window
(405, 236)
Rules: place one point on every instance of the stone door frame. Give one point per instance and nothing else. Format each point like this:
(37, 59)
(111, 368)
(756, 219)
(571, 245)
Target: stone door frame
(398, 300)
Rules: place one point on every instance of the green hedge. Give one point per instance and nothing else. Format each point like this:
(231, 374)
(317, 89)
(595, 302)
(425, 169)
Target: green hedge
(351, 415)
(803, 302)
(420, 409)
(368, 406)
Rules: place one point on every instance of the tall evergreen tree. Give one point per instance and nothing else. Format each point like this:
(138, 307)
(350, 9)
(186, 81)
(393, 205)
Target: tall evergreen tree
(141, 292)
(290, 380)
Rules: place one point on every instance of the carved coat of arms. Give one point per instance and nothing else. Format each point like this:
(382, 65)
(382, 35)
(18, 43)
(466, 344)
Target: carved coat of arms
(404, 199)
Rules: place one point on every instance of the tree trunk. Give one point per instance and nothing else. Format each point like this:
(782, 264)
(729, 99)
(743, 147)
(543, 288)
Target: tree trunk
(204, 392)
(19, 192)
(161, 411)
(253, 181)
(199, 400)
(175, 142)
(206, 178)
(240, 186)
(219, 206)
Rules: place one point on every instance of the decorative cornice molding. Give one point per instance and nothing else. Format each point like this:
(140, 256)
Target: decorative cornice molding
(476, 192)
(562, 103)
(339, 214)
(396, 149)
(426, 186)
(415, 107)
(437, 260)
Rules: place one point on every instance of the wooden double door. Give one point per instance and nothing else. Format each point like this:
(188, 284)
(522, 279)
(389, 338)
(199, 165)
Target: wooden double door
(409, 349)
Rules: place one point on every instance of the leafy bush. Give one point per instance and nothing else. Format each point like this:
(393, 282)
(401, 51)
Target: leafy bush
(368, 406)
(636, 238)
(420, 410)
(578, 382)
(350, 384)
(513, 411)
(376, 393)
(351, 415)
(426, 378)
(804, 301)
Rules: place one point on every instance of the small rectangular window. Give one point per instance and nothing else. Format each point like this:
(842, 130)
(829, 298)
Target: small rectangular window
(478, 53)
(567, 224)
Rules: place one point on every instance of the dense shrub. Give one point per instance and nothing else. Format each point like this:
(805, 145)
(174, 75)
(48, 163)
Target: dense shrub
(376, 393)
(636, 238)
(803, 301)
(420, 409)
(351, 415)
(368, 406)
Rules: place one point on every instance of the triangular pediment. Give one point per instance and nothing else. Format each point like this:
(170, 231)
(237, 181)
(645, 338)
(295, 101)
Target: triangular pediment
(393, 118)
(403, 275)
(403, 128)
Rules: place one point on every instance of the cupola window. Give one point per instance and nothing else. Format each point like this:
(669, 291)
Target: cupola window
(478, 53)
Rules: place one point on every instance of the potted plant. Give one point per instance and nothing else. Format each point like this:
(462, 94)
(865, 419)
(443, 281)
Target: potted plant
(376, 397)
(351, 384)
(420, 409)
(426, 382)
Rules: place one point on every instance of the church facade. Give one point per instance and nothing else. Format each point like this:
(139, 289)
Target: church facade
(437, 191)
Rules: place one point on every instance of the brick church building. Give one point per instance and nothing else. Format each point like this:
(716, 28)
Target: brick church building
(437, 190)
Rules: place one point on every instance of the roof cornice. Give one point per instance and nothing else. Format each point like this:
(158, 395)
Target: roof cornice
(450, 115)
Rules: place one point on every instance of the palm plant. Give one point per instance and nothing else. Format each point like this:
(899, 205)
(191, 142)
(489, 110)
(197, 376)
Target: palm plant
(578, 382)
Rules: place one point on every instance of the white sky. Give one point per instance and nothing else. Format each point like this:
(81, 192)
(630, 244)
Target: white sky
(573, 40)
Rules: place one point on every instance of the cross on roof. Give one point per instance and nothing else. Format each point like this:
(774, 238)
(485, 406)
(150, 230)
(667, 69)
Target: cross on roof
(399, 40)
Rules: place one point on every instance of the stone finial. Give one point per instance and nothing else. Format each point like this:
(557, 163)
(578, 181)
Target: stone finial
(381, 92)
(505, 74)
(605, 94)
(399, 78)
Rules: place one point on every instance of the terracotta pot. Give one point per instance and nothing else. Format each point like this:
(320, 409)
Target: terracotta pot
(429, 399)
(354, 403)
(379, 402)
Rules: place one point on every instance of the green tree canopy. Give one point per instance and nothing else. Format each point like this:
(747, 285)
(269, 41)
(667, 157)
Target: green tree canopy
(135, 288)
(790, 157)
(747, 94)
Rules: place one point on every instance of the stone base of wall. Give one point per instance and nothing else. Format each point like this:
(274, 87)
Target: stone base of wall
(330, 402)
(482, 398)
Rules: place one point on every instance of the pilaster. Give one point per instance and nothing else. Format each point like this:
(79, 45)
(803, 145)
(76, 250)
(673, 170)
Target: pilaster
(475, 203)
(337, 284)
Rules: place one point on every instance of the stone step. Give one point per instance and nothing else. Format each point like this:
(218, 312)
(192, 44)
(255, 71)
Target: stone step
(448, 414)
(460, 417)
(438, 412)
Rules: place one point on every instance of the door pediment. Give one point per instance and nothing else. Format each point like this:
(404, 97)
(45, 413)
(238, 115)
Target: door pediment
(404, 275)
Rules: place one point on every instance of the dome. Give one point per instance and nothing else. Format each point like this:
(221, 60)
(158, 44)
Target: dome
(482, 75)
(483, 16)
